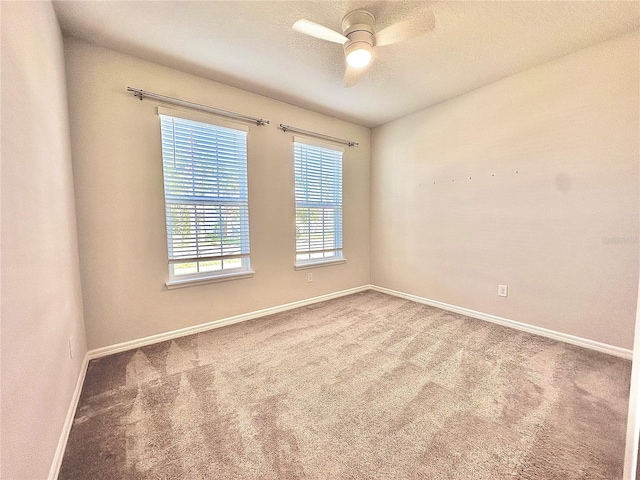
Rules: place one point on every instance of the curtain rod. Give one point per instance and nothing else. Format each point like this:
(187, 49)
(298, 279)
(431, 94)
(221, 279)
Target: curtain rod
(196, 106)
(288, 128)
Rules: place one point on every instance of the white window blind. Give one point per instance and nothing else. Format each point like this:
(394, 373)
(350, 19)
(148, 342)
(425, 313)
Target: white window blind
(318, 192)
(206, 201)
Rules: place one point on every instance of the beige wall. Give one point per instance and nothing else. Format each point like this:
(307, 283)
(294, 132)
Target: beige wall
(562, 233)
(120, 202)
(41, 295)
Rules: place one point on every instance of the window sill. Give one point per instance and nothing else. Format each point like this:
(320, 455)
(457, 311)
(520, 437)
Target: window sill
(319, 263)
(191, 282)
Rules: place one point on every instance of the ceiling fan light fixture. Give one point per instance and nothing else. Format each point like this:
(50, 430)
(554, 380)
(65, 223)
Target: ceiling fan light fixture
(360, 56)
(359, 36)
(359, 49)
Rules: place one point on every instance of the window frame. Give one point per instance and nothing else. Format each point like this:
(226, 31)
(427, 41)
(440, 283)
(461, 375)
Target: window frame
(210, 276)
(338, 257)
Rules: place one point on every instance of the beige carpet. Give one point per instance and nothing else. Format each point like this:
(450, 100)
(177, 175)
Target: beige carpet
(367, 386)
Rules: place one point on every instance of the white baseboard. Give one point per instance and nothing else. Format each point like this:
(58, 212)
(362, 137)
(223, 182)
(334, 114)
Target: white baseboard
(563, 337)
(203, 327)
(120, 347)
(141, 342)
(525, 327)
(68, 422)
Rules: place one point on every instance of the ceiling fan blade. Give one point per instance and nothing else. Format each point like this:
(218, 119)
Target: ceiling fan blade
(352, 75)
(401, 31)
(319, 31)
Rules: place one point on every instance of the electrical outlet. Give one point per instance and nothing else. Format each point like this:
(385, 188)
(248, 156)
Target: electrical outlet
(70, 347)
(309, 277)
(502, 290)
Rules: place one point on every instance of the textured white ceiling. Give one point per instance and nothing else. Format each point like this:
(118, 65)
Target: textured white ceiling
(250, 45)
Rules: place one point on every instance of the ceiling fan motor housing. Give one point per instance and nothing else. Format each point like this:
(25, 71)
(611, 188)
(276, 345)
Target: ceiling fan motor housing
(357, 26)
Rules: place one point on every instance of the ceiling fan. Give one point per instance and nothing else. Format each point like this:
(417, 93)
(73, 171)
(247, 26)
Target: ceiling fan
(359, 38)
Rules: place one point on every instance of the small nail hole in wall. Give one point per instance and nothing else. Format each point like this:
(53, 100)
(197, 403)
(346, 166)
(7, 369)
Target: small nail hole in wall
(493, 174)
(452, 180)
(516, 171)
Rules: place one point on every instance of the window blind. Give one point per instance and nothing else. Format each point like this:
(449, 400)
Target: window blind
(205, 187)
(318, 194)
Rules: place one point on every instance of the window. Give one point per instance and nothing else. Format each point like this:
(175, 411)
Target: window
(318, 190)
(206, 202)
